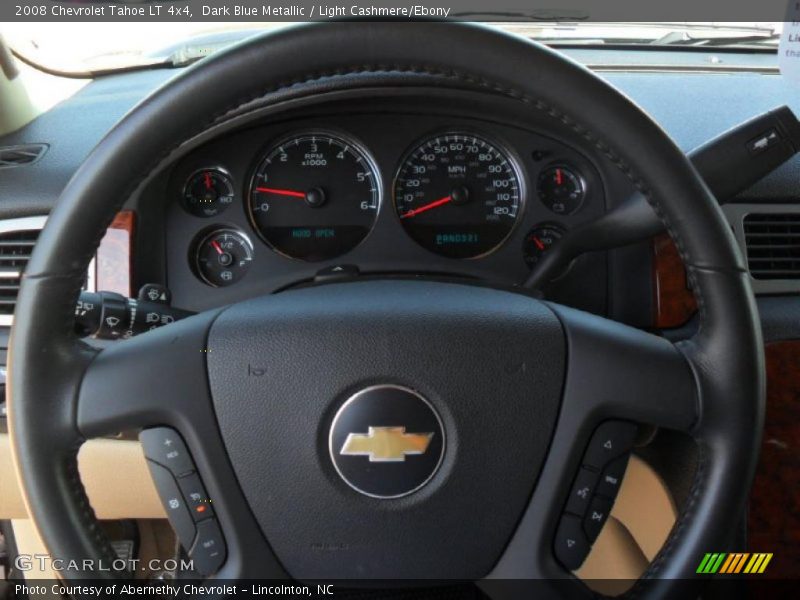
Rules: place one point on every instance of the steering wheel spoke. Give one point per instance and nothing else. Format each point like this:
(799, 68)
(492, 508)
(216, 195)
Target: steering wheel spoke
(616, 376)
(618, 372)
(158, 382)
(158, 378)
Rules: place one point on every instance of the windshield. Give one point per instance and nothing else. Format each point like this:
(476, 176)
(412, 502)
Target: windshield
(99, 47)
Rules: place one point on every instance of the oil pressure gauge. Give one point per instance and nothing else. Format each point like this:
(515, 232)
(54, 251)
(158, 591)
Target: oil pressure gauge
(208, 192)
(222, 257)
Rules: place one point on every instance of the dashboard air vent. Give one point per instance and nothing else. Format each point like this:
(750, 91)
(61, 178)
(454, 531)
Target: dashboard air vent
(20, 156)
(773, 245)
(15, 251)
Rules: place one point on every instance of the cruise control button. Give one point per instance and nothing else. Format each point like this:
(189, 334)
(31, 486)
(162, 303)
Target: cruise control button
(581, 492)
(196, 497)
(610, 440)
(571, 545)
(208, 552)
(172, 499)
(596, 517)
(611, 478)
(164, 446)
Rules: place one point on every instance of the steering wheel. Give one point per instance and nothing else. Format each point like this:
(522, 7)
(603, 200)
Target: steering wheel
(502, 391)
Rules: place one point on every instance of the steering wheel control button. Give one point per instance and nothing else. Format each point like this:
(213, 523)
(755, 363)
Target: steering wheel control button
(593, 491)
(596, 517)
(208, 551)
(610, 440)
(386, 441)
(196, 497)
(174, 504)
(581, 493)
(571, 545)
(165, 447)
(611, 478)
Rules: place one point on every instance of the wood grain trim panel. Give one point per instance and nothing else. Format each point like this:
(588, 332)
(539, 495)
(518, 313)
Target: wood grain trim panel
(774, 518)
(774, 510)
(114, 264)
(674, 301)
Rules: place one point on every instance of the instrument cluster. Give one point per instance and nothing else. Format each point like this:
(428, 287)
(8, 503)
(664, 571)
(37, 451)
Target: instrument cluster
(314, 195)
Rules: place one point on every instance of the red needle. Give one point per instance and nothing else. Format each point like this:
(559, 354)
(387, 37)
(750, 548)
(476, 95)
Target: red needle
(558, 177)
(279, 192)
(207, 177)
(217, 247)
(538, 243)
(422, 209)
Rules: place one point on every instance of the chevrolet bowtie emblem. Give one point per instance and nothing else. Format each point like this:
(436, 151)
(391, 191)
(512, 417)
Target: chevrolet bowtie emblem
(386, 444)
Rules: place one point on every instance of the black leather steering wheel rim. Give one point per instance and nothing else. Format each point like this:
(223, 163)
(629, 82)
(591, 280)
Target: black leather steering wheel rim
(47, 361)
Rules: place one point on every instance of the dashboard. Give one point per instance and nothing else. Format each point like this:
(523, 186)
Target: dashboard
(620, 283)
(443, 185)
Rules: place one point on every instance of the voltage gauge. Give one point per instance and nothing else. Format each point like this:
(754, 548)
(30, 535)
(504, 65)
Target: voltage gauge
(539, 241)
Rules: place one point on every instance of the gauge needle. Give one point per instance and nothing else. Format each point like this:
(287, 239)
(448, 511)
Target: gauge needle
(217, 247)
(279, 192)
(559, 177)
(422, 209)
(539, 243)
(207, 178)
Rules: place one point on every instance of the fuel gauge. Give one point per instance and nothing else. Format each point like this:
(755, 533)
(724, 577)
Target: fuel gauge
(223, 257)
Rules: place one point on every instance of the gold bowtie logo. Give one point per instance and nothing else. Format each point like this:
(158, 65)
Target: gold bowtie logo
(386, 444)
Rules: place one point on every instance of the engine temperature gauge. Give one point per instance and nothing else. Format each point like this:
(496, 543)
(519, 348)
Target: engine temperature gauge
(223, 256)
(538, 241)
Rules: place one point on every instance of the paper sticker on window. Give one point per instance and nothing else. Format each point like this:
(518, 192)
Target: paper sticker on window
(789, 47)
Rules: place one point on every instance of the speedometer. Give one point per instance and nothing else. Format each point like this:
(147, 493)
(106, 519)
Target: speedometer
(314, 196)
(458, 195)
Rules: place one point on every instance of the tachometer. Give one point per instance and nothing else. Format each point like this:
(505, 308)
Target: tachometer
(314, 196)
(458, 195)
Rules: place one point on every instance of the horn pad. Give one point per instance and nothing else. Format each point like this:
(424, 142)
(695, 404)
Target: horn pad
(386, 441)
(480, 370)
